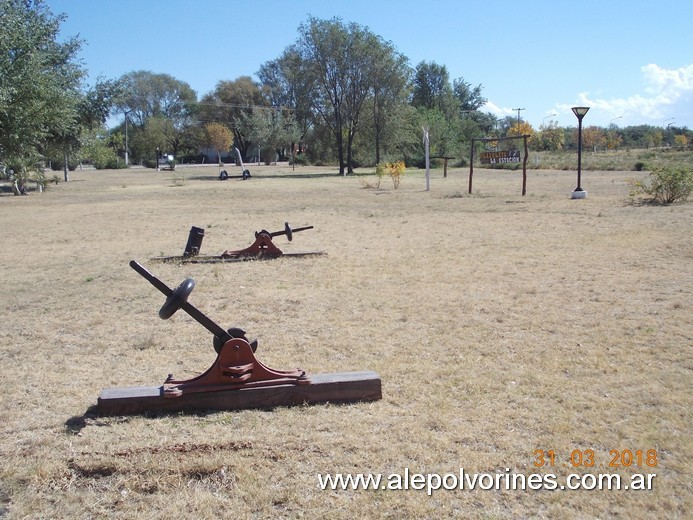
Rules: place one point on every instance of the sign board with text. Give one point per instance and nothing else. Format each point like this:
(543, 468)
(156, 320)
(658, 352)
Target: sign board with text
(500, 157)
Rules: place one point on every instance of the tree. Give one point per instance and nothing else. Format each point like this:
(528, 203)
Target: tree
(145, 142)
(470, 99)
(431, 87)
(342, 61)
(552, 137)
(612, 139)
(86, 114)
(227, 104)
(521, 128)
(592, 137)
(272, 130)
(443, 131)
(96, 147)
(286, 84)
(390, 89)
(146, 94)
(681, 141)
(39, 79)
(219, 137)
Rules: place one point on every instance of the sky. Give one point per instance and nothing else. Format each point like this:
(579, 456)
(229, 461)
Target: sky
(631, 62)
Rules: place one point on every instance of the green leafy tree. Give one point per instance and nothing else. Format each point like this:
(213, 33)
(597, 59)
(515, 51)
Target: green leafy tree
(39, 79)
(272, 130)
(431, 88)
(470, 98)
(287, 85)
(228, 104)
(87, 114)
(551, 137)
(443, 132)
(342, 60)
(145, 143)
(391, 87)
(96, 148)
(400, 137)
(145, 94)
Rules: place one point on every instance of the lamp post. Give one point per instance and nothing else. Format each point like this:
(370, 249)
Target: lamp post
(542, 121)
(579, 193)
(611, 122)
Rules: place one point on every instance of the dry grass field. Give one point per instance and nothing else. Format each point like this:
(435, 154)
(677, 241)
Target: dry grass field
(499, 324)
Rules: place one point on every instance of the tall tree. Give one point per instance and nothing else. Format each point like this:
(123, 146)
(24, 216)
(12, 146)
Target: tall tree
(86, 114)
(390, 88)
(342, 60)
(432, 89)
(288, 85)
(469, 97)
(146, 94)
(39, 78)
(272, 130)
(227, 104)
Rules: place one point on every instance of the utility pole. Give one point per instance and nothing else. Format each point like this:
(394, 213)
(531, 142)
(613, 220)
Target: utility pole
(518, 115)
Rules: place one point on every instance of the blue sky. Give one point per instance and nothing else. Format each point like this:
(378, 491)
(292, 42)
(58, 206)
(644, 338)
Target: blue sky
(631, 62)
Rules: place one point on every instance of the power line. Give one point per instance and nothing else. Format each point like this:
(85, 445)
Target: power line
(232, 105)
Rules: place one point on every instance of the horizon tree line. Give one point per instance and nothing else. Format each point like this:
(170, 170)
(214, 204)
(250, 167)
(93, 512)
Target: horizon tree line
(339, 94)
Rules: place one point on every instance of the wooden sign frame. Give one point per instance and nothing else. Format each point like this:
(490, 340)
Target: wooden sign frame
(488, 139)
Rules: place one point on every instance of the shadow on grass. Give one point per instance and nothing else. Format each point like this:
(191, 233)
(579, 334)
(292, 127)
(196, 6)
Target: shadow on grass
(278, 176)
(92, 416)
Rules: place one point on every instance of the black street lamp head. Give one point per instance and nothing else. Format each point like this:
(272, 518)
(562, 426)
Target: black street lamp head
(580, 112)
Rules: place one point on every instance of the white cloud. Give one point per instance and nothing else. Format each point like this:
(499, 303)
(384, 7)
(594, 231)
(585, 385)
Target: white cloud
(496, 110)
(668, 82)
(668, 94)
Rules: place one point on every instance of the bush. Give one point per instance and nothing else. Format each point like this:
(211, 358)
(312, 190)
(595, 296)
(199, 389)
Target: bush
(108, 163)
(300, 160)
(59, 165)
(665, 185)
(395, 171)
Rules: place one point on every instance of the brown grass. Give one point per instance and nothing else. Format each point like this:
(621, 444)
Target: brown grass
(499, 324)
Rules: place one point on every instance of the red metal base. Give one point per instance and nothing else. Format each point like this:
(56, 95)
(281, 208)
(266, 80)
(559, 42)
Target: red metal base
(263, 247)
(235, 367)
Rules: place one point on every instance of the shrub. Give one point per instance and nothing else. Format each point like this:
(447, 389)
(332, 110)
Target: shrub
(379, 173)
(665, 185)
(395, 171)
(300, 160)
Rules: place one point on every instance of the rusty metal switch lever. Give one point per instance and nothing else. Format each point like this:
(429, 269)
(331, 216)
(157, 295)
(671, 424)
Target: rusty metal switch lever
(177, 299)
(287, 231)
